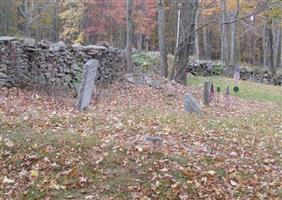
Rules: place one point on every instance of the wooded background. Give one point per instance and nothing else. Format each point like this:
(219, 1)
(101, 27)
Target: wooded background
(231, 30)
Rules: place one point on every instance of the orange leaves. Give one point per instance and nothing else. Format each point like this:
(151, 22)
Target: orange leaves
(107, 16)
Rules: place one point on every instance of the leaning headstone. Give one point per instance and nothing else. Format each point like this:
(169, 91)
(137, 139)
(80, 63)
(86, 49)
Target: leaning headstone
(87, 84)
(190, 104)
(206, 92)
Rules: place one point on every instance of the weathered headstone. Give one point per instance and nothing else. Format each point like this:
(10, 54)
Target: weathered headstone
(190, 104)
(87, 84)
(206, 92)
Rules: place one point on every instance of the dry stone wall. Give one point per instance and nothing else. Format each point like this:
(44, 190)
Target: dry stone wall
(202, 68)
(32, 64)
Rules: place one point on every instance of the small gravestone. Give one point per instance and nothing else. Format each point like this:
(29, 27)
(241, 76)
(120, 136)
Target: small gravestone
(206, 92)
(87, 84)
(190, 104)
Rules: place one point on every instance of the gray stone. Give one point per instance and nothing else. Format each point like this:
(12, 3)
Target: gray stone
(135, 78)
(190, 104)
(153, 83)
(154, 139)
(57, 46)
(95, 47)
(87, 84)
(76, 45)
(2, 75)
(3, 67)
(29, 42)
(7, 39)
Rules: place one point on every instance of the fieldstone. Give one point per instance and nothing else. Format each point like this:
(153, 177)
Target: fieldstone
(3, 76)
(4, 39)
(94, 47)
(29, 42)
(135, 78)
(57, 46)
(76, 45)
(154, 139)
(3, 67)
(152, 83)
(191, 105)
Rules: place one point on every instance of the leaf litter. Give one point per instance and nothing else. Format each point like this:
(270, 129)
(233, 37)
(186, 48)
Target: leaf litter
(136, 142)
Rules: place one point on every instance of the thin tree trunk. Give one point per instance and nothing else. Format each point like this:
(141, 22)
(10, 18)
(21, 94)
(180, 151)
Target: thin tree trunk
(140, 42)
(224, 39)
(197, 46)
(54, 28)
(277, 47)
(265, 45)
(233, 51)
(146, 44)
(270, 56)
(161, 34)
(129, 8)
(253, 43)
(188, 10)
(206, 43)
(5, 18)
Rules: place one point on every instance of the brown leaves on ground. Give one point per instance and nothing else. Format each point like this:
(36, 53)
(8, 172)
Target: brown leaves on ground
(136, 142)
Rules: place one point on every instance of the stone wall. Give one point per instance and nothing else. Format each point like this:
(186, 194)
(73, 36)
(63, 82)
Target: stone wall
(31, 64)
(199, 68)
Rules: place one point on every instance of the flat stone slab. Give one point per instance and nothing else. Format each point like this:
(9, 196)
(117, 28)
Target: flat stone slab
(135, 78)
(6, 39)
(141, 79)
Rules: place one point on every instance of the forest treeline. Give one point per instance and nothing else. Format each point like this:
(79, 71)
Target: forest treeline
(230, 30)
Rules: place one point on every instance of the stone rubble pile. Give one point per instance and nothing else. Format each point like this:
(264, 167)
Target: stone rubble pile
(37, 64)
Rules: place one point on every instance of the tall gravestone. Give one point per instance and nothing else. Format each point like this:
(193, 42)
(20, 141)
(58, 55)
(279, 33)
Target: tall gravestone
(87, 84)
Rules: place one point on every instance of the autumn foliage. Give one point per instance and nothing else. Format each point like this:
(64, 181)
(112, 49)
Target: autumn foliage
(107, 17)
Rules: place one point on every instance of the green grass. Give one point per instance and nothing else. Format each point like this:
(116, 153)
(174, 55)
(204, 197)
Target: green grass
(248, 90)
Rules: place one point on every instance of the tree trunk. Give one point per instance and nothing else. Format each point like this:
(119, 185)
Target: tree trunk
(277, 47)
(54, 28)
(269, 40)
(197, 46)
(146, 44)
(4, 14)
(253, 43)
(265, 45)
(207, 43)
(188, 10)
(140, 42)
(161, 34)
(129, 8)
(233, 51)
(224, 39)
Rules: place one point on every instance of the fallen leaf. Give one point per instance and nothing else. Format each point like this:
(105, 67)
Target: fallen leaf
(6, 180)
(34, 173)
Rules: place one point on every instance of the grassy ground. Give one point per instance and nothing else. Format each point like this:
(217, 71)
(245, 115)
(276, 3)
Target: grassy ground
(248, 90)
(53, 152)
